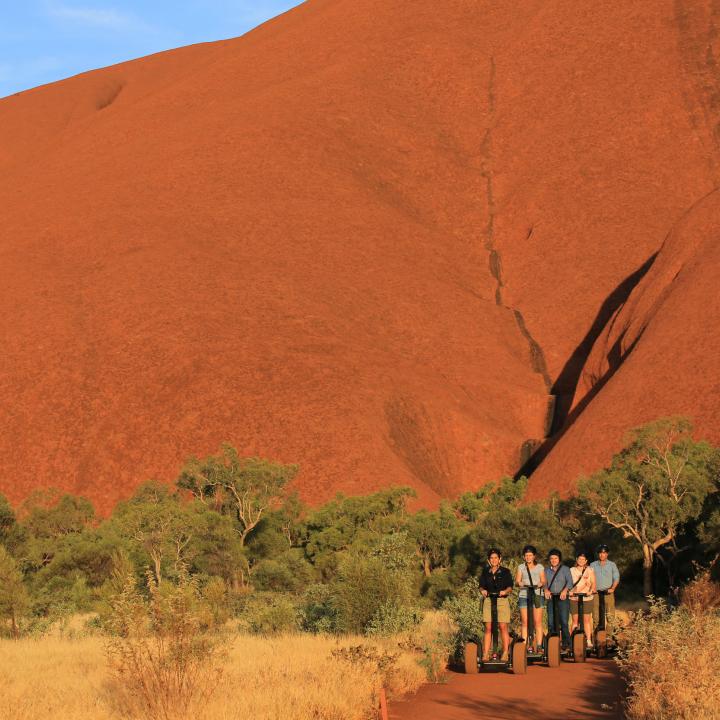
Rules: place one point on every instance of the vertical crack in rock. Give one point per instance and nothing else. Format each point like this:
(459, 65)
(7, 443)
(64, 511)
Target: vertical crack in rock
(486, 154)
(537, 357)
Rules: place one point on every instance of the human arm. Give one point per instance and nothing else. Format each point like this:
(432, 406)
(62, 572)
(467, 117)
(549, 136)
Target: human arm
(509, 585)
(615, 578)
(567, 582)
(592, 580)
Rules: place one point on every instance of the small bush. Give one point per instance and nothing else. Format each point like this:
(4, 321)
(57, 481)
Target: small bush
(163, 655)
(672, 664)
(319, 613)
(393, 619)
(465, 610)
(269, 614)
(436, 653)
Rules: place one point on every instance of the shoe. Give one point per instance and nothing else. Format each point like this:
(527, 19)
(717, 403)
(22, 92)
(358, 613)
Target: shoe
(486, 658)
(504, 657)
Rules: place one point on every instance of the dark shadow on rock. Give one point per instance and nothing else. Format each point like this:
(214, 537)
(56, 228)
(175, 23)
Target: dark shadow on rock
(567, 381)
(566, 384)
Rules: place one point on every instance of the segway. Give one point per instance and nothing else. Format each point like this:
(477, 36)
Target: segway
(517, 661)
(578, 640)
(537, 653)
(552, 641)
(601, 646)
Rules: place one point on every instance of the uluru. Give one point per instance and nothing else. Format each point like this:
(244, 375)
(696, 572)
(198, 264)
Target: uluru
(397, 243)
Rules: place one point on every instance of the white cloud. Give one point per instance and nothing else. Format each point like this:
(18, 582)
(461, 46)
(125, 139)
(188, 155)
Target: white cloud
(107, 18)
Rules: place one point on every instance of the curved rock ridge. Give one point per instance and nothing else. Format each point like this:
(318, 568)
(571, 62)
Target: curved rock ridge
(376, 239)
(659, 355)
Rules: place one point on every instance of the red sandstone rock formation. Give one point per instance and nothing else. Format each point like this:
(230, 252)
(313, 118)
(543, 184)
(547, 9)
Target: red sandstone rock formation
(372, 238)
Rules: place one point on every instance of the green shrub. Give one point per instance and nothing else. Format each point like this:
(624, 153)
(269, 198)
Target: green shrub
(465, 610)
(393, 619)
(269, 614)
(368, 578)
(318, 611)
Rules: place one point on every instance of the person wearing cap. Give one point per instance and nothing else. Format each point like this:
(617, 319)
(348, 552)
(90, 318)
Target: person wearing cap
(496, 579)
(559, 581)
(531, 574)
(607, 578)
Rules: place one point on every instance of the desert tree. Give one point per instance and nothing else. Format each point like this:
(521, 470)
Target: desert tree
(7, 518)
(655, 485)
(160, 524)
(14, 599)
(248, 486)
(433, 534)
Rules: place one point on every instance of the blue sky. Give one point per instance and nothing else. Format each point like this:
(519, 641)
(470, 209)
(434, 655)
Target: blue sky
(46, 40)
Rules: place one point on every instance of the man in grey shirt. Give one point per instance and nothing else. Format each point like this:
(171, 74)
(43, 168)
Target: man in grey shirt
(558, 582)
(608, 578)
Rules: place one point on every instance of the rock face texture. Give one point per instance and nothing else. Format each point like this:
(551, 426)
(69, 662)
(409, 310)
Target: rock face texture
(382, 240)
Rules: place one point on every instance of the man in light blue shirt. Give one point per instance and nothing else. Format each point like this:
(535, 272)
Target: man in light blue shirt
(607, 578)
(558, 581)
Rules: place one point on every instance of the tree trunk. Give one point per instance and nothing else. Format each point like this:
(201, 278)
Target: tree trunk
(13, 621)
(157, 560)
(647, 570)
(427, 570)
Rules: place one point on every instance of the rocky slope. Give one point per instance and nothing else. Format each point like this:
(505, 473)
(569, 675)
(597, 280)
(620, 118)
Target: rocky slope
(377, 239)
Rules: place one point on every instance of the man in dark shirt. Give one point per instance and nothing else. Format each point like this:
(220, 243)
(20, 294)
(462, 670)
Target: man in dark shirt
(496, 580)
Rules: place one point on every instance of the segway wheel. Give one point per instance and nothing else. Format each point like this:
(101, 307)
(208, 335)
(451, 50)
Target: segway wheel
(601, 643)
(578, 646)
(471, 658)
(553, 651)
(519, 658)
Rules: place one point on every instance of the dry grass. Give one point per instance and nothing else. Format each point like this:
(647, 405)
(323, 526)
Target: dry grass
(672, 660)
(295, 677)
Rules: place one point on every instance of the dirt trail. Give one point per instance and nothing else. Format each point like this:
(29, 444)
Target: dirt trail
(593, 690)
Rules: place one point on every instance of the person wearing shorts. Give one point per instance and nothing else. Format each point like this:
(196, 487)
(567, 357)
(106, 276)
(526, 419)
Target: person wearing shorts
(583, 582)
(496, 579)
(607, 578)
(531, 574)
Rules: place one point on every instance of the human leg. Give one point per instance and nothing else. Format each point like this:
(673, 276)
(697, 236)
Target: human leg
(505, 640)
(486, 641)
(538, 623)
(523, 617)
(588, 625)
(564, 613)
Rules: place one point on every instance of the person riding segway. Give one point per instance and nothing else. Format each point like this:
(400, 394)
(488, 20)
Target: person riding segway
(496, 585)
(607, 578)
(559, 582)
(581, 595)
(531, 579)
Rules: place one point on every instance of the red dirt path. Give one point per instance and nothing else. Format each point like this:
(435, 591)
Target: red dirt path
(571, 691)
